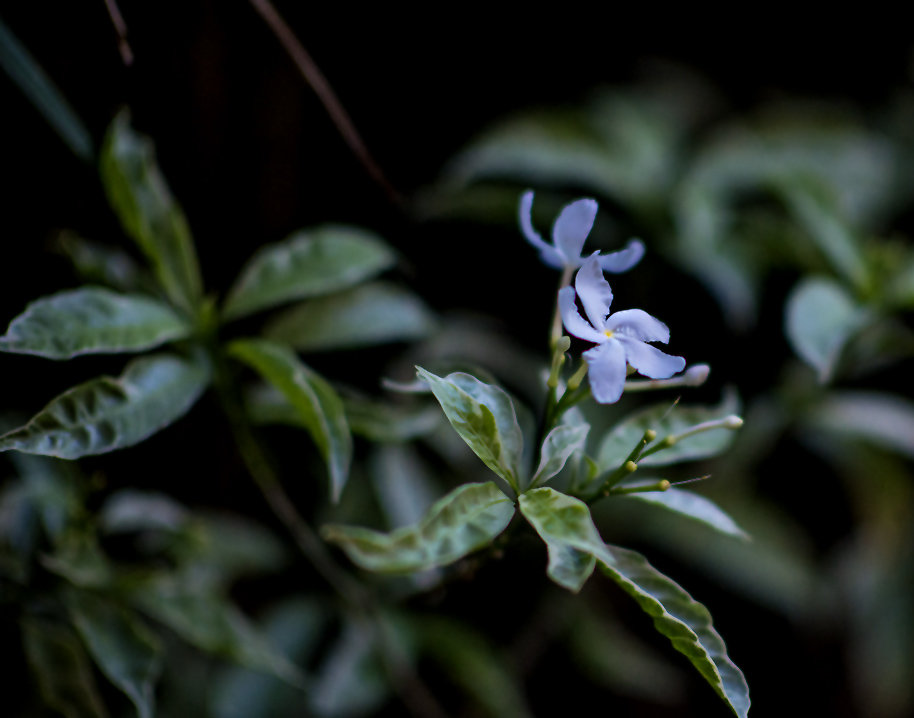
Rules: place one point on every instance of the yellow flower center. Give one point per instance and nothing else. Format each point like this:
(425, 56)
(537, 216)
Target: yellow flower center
(608, 333)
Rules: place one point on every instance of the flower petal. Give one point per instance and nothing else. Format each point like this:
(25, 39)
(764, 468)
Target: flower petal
(573, 321)
(606, 370)
(549, 254)
(638, 324)
(572, 227)
(594, 291)
(648, 360)
(624, 259)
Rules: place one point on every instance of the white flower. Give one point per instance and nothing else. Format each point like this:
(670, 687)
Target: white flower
(621, 338)
(568, 234)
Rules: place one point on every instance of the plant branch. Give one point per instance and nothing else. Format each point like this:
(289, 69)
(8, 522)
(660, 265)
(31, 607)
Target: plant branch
(315, 78)
(121, 28)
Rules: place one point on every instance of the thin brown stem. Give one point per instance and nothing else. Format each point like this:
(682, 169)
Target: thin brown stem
(121, 28)
(315, 78)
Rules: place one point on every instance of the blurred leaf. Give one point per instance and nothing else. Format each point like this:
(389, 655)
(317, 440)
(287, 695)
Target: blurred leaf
(559, 444)
(319, 407)
(149, 214)
(294, 627)
(349, 681)
(226, 547)
(402, 483)
(818, 212)
(105, 414)
(92, 320)
(34, 83)
(54, 491)
(122, 647)
(473, 663)
(886, 420)
(485, 418)
(373, 313)
(620, 145)
(620, 661)
(390, 423)
(99, 263)
(820, 318)
(307, 264)
(565, 523)
(465, 520)
(377, 421)
(668, 421)
(62, 669)
(693, 506)
(213, 625)
(80, 560)
(134, 510)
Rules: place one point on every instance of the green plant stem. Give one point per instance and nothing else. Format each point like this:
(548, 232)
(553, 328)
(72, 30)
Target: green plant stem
(416, 696)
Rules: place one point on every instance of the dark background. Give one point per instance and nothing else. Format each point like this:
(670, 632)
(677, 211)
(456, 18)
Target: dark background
(252, 155)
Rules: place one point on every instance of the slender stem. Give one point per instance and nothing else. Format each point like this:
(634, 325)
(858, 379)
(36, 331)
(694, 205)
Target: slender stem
(315, 78)
(121, 28)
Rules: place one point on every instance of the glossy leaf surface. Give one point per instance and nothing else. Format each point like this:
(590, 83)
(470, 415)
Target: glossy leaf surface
(122, 647)
(467, 519)
(319, 407)
(484, 416)
(92, 320)
(149, 214)
(683, 620)
(105, 414)
(371, 314)
(565, 524)
(307, 264)
(666, 421)
(820, 318)
(692, 505)
(559, 444)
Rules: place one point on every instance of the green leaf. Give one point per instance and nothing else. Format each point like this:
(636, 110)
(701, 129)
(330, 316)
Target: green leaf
(92, 320)
(467, 519)
(668, 421)
(820, 317)
(565, 523)
(35, 84)
(693, 506)
(105, 414)
(374, 313)
(319, 407)
(572, 540)
(683, 620)
(485, 418)
(149, 214)
(559, 444)
(213, 625)
(307, 264)
(122, 647)
(61, 669)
